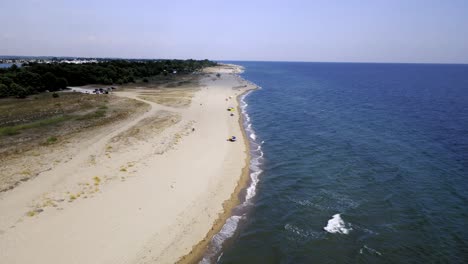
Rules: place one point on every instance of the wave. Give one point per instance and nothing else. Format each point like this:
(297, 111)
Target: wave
(336, 225)
(325, 200)
(256, 157)
(370, 250)
(217, 241)
(302, 233)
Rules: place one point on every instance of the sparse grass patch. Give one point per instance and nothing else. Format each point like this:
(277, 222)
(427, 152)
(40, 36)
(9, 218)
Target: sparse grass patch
(97, 180)
(13, 130)
(48, 203)
(92, 160)
(9, 131)
(98, 114)
(72, 197)
(26, 172)
(51, 140)
(31, 213)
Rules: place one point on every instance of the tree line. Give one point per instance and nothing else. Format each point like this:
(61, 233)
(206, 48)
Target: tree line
(38, 77)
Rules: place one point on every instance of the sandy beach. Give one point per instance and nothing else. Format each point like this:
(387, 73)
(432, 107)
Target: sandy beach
(144, 190)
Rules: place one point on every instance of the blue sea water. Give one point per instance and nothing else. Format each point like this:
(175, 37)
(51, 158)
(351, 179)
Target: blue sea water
(361, 163)
(5, 65)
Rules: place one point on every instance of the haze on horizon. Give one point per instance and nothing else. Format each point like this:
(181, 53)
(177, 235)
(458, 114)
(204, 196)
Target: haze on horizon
(428, 31)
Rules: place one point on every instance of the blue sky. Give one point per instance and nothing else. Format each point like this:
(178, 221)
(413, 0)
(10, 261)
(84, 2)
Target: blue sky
(293, 30)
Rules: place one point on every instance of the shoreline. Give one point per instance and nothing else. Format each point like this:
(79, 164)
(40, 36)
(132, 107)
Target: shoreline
(198, 250)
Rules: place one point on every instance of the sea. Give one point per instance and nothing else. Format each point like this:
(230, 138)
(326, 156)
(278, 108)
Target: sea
(352, 163)
(8, 65)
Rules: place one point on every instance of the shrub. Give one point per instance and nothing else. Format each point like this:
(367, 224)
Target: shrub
(4, 90)
(9, 131)
(55, 95)
(19, 90)
(51, 140)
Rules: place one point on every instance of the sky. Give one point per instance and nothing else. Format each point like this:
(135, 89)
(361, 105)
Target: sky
(422, 31)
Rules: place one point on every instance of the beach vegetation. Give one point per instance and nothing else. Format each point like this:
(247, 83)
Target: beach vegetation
(101, 112)
(40, 77)
(51, 140)
(18, 90)
(13, 130)
(4, 89)
(31, 213)
(97, 180)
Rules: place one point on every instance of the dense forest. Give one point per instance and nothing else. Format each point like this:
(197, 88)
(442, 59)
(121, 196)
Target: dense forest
(38, 77)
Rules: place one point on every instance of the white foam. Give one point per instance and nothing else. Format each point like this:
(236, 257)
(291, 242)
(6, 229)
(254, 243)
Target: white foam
(252, 189)
(296, 230)
(228, 229)
(370, 250)
(337, 225)
(261, 154)
(302, 233)
(253, 136)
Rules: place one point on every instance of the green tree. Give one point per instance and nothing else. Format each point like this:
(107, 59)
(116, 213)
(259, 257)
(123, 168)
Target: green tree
(62, 83)
(4, 90)
(38, 77)
(19, 91)
(50, 81)
(6, 81)
(27, 78)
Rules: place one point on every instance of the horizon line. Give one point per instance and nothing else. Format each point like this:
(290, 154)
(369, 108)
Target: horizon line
(234, 60)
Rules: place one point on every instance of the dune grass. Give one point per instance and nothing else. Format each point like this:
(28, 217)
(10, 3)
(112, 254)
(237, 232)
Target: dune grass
(51, 140)
(101, 112)
(13, 130)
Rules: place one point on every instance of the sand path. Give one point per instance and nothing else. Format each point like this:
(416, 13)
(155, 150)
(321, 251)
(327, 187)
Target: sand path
(94, 146)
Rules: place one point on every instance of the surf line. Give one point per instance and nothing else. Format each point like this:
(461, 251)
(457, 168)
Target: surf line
(215, 247)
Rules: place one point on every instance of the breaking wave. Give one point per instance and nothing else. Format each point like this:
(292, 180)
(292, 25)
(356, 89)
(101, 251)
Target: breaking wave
(336, 225)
